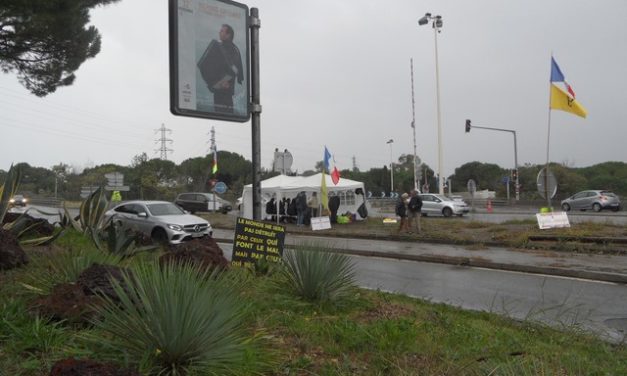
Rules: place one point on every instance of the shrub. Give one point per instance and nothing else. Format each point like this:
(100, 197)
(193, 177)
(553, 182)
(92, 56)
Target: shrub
(318, 275)
(178, 318)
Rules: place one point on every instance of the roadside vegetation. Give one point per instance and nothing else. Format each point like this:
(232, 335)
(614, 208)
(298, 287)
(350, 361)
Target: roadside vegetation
(299, 319)
(90, 296)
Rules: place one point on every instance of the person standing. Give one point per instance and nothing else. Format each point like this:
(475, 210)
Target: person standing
(301, 208)
(313, 205)
(415, 206)
(401, 212)
(221, 67)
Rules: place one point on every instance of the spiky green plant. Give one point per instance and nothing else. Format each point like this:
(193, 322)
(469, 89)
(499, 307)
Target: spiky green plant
(8, 189)
(317, 274)
(113, 238)
(22, 228)
(91, 213)
(178, 319)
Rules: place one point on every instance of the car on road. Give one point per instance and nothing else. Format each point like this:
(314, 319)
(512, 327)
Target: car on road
(203, 202)
(163, 221)
(596, 200)
(439, 204)
(18, 200)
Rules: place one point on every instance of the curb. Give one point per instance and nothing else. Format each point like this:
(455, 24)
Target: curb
(466, 261)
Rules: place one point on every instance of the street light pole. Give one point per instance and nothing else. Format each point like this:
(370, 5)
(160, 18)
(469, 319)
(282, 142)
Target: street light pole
(516, 182)
(436, 23)
(390, 142)
(413, 124)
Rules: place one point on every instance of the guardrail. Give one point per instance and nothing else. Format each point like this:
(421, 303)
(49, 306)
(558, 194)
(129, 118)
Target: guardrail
(46, 201)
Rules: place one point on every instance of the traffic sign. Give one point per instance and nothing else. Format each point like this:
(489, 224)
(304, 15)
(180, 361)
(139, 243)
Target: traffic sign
(472, 186)
(547, 183)
(220, 187)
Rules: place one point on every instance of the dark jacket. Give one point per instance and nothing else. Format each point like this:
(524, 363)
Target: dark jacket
(401, 209)
(415, 204)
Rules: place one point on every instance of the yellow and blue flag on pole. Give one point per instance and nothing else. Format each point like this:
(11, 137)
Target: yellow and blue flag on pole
(563, 100)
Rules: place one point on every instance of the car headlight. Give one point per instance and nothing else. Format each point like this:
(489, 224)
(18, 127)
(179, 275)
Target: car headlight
(12, 201)
(175, 227)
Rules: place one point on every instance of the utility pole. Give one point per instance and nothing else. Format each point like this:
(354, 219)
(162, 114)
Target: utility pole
(164, 141)
(354, 163)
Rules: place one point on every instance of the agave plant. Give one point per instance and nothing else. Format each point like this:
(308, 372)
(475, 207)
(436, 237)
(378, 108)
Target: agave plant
(92, 211)
(179, 319)
(105, 234)
(118, 241)
(22, 227)
(318, 274)
(8, 189)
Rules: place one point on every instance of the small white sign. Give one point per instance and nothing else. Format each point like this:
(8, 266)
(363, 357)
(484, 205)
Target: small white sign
(552, 220)
(320, 223)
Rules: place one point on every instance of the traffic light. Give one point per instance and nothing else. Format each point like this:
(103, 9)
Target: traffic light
(514, 174)
(467, 125)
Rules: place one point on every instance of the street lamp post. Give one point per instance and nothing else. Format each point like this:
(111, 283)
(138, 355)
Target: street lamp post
(516, 181)
(390, 142)
(436, 23)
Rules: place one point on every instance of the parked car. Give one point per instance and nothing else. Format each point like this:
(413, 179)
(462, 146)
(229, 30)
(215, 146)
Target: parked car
(438, 204)
(161, 220)
(596, 200)
(18, 200)
(203, 202)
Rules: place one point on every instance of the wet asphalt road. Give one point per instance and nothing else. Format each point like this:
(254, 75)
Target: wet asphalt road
(598, 307)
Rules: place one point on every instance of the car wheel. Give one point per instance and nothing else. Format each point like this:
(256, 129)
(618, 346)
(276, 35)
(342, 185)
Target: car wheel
(159, 236)
(447, 212)
(565, 207)
(596, 207)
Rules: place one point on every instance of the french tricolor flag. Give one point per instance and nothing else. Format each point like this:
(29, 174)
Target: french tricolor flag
(335, 173)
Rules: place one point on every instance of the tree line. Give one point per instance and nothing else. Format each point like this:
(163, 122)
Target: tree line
(163, 179)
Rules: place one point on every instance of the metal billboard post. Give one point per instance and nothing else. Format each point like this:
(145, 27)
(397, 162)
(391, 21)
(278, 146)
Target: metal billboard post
(255, 24)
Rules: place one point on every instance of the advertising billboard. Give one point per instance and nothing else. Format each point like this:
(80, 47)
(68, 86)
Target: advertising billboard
(209, 59)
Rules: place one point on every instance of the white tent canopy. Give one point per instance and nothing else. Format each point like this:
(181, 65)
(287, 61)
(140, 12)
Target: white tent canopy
(283, 186)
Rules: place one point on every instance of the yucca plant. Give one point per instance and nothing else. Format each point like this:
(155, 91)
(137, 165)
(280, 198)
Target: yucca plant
(317, 274)
(178, 319)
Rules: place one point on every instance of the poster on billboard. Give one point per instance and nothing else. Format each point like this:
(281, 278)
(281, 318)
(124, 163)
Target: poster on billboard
(209, 59)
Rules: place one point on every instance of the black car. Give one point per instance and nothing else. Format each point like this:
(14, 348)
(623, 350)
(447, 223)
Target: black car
(203, 202)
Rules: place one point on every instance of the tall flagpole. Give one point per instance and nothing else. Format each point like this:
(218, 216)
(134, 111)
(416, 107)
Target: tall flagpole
(413, 122)
(548, 142)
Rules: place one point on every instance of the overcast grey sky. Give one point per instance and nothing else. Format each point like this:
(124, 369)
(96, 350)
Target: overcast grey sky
(337, 73)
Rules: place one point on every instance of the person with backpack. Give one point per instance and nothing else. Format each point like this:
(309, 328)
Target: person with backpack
(401, 211)
(414, 206)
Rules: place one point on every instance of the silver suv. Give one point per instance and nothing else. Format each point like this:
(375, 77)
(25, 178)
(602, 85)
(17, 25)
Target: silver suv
(438, 204)
(596, 200)
(163, 221)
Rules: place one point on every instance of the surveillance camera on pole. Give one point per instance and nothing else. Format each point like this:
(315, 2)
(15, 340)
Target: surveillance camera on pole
(468, 125)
